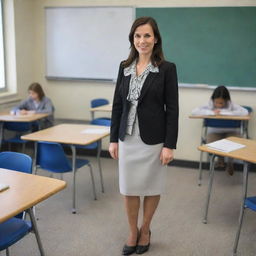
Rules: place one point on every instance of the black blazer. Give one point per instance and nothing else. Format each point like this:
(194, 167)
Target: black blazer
(157, 107)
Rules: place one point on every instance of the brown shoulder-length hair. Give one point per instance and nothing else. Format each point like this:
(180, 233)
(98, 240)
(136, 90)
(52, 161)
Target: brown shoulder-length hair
(157, 56)
(37, 88)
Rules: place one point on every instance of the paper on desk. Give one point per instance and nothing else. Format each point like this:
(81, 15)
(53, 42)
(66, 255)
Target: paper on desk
(225, 145)
(95, 131)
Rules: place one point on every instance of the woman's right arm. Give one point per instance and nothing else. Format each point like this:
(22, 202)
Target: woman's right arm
(202, 111)
(117, 109)
(22, 105)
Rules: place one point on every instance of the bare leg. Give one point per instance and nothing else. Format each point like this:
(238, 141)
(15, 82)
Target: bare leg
(149, 207)
(132, 204)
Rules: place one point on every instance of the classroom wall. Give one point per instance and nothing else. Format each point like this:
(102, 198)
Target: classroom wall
(71, 99)
(24, 37)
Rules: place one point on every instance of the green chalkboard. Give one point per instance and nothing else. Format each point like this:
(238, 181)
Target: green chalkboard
(210, 45)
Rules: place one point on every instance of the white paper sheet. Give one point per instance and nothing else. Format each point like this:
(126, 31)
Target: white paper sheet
(225, 145)
(95, 131)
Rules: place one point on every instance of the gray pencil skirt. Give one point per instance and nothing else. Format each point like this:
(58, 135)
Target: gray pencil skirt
(140, 169)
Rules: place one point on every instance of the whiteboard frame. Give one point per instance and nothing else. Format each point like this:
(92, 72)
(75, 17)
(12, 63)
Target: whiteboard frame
(77, 78)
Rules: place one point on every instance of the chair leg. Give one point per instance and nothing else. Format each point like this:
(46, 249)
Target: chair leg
(200, 169)
(99, 165)
(209, 188)
(7, 252)
(93, 183)
(34, 225)
(241, 217)
(23, 147)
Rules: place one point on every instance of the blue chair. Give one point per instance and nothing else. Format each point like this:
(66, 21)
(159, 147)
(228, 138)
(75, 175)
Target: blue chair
(14, 229)
(16, 161)
(20, 128)
(249, 203)
(245, 123)
(97, 103)
(51, 157)
(220, 123)
(97, 146)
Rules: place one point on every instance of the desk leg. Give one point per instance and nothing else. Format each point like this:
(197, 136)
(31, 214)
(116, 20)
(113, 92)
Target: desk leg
(34, 225)
(99, 164)
(200, 169)
(212, 157)
(92, 115)
(245, 185)
(73, 148)
(35, 158)
(1, 133)
(242, 129)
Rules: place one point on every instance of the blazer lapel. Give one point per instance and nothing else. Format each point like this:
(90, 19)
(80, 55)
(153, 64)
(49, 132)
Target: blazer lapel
(149, 80)
(126, 83)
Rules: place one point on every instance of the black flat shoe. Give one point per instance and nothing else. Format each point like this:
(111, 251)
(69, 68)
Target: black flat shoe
(140, 249)
(128, 250)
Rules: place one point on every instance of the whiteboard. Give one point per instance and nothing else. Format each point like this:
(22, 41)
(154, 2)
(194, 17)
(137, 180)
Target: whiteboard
(86, 42)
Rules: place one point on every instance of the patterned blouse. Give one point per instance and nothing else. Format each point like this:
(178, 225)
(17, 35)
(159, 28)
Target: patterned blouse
(136, 84)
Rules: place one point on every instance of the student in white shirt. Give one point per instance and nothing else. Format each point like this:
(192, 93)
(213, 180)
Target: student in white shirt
(221, 104)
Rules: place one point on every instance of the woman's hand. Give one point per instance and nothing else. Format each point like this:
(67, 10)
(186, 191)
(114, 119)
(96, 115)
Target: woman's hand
(216, 111)
(23, 112)
(166, 155)
(113, 150)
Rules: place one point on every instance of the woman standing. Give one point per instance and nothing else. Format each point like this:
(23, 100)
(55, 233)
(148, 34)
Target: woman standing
(144, 127)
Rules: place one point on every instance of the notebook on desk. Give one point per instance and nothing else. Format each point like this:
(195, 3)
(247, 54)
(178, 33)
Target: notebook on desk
(225, 145)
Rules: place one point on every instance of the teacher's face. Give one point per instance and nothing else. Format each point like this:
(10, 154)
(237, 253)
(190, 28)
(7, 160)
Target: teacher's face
(144, 39)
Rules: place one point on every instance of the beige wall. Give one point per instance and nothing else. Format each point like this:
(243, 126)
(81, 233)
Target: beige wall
(25, 44)
(72, 99)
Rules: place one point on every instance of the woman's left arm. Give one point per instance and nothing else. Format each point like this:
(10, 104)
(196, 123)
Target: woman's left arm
(172, 114)
(171, 107)
(47, 107)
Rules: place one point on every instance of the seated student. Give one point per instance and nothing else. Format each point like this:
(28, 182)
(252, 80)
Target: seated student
(37, 102)
(221, 104)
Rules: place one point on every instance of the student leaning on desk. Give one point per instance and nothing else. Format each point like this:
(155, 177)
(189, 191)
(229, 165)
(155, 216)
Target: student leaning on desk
(37, 102)
(220, 104)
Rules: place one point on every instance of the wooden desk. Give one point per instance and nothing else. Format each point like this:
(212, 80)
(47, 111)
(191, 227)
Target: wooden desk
(246, 154)
(104, 108)
(6, 117)
(26, 190)
(70, 134)
(243, 131)
(224, 117)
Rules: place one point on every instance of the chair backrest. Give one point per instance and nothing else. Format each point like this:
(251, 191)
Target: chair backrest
(101, 121)
(221, 123)
(51, 157)
(99, 102)
(17, 126)
(16, 162)
(250, 110)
